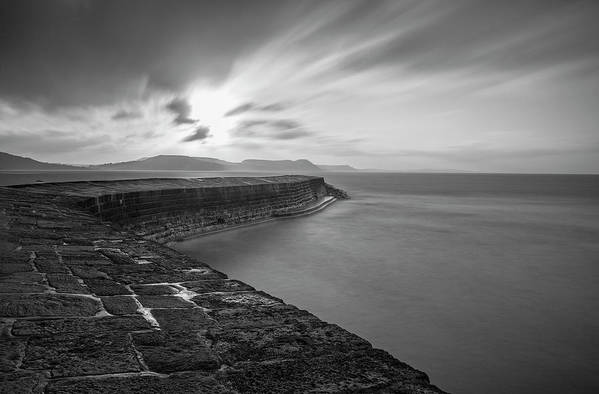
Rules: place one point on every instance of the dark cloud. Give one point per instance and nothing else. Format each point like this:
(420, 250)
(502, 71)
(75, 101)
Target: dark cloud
(181, 108)
(68, 53)
(292, 135)
(200, 134)
(240, 109)
(490, 36)
(285, 124)
(254, 122)
(99, 51)
(247, 107)
(278, 129)
(126, 115)
(49, 141)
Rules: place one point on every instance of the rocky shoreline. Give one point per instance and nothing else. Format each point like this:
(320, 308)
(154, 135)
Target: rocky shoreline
(88, 305)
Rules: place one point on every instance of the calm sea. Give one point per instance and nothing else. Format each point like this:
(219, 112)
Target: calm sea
(489, 283)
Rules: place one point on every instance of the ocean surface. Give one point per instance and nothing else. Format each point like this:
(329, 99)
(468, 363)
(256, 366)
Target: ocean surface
(488, 283)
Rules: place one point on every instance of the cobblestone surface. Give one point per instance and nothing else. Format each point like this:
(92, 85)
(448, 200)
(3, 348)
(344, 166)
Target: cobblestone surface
(85, 307)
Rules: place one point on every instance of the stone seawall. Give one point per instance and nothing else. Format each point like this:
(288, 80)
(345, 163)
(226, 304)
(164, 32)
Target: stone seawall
(171, 210)
(89, 306)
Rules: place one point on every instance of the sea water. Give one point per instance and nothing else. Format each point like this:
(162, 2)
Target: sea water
(489, 283)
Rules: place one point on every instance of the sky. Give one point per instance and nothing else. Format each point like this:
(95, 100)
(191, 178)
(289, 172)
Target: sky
(491, 86)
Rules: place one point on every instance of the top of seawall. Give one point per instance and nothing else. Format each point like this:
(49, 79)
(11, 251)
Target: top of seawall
(99, 188)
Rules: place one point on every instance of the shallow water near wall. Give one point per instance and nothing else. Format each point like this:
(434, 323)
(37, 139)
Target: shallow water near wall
(486, 282)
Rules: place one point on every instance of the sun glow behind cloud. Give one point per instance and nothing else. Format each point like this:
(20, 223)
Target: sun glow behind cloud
(209, 105)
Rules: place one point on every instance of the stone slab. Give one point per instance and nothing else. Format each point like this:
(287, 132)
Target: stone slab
(369, 371)
(164, 301)
(50, 327)
(119, 305)
(282, 342)
(188, 320)
(221, 285)
(50, 266)
(28, 305)
(153, 289)
(85, 272)
(236, 300)
(106, 287)
(192, 383)
(22, 382)
(167, 351)
(65, 283)
(261, 317)
(81, 354)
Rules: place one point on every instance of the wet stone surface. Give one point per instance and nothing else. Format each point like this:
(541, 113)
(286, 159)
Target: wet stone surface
(163, 301)
(31, 305)
(86, 307)
(120, 305)
(168, 351)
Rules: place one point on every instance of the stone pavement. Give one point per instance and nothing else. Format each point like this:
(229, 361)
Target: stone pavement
(87, 308)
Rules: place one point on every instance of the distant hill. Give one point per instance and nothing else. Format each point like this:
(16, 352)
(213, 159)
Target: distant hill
(176, 162)
(277, 165)
(13, 162)
(165, 162)
(339, 168)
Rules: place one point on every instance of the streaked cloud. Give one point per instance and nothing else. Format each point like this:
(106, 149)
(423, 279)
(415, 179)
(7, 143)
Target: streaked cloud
(199, 134)
(126, 115)
(253, 107)
(182, 109)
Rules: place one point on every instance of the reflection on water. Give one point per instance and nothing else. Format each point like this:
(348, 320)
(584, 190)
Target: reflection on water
(489, 286)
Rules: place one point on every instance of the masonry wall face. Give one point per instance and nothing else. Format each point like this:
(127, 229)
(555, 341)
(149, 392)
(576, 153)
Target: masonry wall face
(174, 214)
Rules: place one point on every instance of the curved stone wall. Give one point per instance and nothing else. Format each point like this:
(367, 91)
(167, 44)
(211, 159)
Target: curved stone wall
(170, 210)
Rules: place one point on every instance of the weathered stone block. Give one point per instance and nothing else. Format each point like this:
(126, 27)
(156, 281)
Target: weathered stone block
(9, 268)
(120, 305)
(11, 287)
(222, 285)
(22, 382)
(64, 283)
(11, 353)
(182, 319)
(185, 382)
(235, 300)
(174, 351)
(50, 327)
(162, 301)
(361, 371)
(23, 277)
(153, 289)
(117, 257)
(26, 305)
(92, 259)
(86, 272)
(282, 342)
(89, 353)
(50, 266)
(262, 317)
(148, 273)
(104, 287)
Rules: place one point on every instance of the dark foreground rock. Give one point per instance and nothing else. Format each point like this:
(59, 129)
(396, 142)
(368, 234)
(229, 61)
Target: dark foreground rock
(86, 308)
